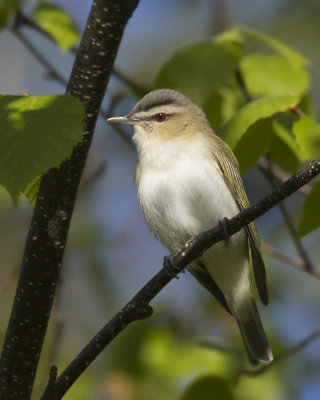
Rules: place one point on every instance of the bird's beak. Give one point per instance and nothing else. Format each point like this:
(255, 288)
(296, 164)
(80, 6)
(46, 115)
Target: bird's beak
(126, 119)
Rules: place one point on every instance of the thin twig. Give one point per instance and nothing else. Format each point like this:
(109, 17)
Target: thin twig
(242, 85)
(95, 175)
(52, 72)
(308, 265)
(299, 112)
(285, 354)
(129, 82)
(51, 392)
(121, 132)
(23, 20)
(295, 262)
(280, 174)
(117, 127)
(58, 326)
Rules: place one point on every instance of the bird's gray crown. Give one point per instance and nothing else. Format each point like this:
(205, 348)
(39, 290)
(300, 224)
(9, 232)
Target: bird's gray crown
(160, 97)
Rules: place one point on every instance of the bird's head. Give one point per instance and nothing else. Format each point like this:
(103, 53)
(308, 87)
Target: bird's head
(163, 115)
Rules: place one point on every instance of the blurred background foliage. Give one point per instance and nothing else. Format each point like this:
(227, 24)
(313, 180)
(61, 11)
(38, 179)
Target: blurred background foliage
(111, 253)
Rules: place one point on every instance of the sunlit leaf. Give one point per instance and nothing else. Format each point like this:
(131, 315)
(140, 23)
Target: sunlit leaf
(291, 55)
(57, 23)
(311, 212)
(234, 129)
(273, 75)
(254, 143)
(244, 35)
(36, 134)
(208, 388)
(200, 70)
(231, 35)
(307, 134)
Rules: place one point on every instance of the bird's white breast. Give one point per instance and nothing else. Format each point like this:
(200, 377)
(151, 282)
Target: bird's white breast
(181, 191)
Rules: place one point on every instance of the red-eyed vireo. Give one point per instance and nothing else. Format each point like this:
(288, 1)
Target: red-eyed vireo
(188, 181)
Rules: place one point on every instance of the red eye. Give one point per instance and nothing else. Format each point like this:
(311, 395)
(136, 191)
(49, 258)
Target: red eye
(160, 117)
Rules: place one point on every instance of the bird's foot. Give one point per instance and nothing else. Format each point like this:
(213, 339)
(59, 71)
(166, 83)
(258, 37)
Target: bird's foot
(223, 224)
(170, 267)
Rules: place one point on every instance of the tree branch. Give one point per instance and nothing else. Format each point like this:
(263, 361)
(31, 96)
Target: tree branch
(52, 214)
(138, 307)
(50, 392)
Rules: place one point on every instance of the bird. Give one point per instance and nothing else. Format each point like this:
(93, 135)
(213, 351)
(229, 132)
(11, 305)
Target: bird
(188, 181)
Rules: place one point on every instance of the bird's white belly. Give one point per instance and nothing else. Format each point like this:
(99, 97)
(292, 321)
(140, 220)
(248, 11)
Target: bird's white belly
(188, 198)
(185, 199)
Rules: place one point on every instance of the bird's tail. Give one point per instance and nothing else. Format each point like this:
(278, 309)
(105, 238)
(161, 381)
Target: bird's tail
(252, 332)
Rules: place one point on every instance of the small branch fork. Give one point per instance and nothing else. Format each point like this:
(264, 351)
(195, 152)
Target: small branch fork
(308, 265)
(138, 307)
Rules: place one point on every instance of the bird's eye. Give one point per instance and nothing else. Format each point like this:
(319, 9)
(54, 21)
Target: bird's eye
(160, 117)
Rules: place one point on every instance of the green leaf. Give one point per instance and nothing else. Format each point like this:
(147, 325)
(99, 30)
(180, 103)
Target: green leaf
(36, 134)
(273, 75)
(244, 35)
(220, 107)
(307, 134)
(311, 212)
(200, 70)
(57, 23)
(235, 128)
(284, 149)
(294, 57)
(208, 388)
(254, 143)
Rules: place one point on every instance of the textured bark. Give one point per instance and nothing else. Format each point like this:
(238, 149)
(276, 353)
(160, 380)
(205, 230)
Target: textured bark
(53, 211)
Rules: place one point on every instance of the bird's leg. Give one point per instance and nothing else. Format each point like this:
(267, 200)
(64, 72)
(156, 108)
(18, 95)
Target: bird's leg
(170, 267)
(223, 224)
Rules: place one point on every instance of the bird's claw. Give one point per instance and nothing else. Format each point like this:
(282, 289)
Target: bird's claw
(170, 267)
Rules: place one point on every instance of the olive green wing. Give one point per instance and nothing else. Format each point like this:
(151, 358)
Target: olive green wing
(229, 168)
(200, 272)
